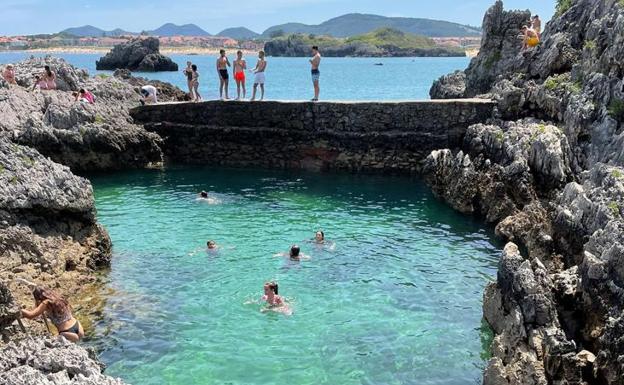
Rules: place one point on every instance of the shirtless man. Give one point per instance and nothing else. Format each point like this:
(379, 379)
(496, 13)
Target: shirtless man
(315, 62)
(536, 24)
(240, 65)
(188, 71)
(259, 76)
(222, 64)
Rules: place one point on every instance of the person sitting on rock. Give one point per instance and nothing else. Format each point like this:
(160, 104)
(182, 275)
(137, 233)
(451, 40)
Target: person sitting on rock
(57, 309)
(47, 79)
(84, 96)
(188, 71)
(9, 74)
(149, 94)
(530, 38)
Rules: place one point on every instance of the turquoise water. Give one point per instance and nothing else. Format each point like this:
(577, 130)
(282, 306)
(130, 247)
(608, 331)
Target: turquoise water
(289, 78)
(396, 300)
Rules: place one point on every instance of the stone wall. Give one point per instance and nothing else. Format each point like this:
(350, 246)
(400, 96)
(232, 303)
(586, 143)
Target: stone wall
(352, 136)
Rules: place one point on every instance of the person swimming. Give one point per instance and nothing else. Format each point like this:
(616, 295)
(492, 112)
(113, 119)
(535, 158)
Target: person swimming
(294, 254)
(57, 309)
(205, 197)
(211, 245)
(275, 302)
(319, 237)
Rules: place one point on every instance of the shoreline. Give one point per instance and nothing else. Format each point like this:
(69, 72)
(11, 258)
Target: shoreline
(470, 53)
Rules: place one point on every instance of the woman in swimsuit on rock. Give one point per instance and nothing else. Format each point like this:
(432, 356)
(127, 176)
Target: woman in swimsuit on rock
(57, 309)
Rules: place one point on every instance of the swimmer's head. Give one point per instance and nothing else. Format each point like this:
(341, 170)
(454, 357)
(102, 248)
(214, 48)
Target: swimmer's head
(239, 54)
(211, 244)
(319, 236)
(271, 287)
(222, 52)
(294, 251)
(203, 194)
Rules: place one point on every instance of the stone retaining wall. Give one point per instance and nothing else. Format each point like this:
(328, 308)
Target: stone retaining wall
(355, 136)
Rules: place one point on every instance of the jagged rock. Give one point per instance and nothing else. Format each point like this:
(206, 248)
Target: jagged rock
(50, 362)
(68, 77)
(500, 49)
(82, 136)
(139, 54)
(452, 86)
(9, 311)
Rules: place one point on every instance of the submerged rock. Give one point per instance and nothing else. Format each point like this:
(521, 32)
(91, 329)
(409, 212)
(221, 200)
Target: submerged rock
(139, 54)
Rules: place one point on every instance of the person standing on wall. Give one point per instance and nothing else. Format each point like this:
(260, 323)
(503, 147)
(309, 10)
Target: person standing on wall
(315, 62)
(222, 64)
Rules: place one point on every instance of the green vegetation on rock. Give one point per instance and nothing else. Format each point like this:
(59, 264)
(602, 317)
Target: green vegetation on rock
(617, 174)
(563, 82)
(562, 6)
(393, 37)
(616, 109)
(615, 208)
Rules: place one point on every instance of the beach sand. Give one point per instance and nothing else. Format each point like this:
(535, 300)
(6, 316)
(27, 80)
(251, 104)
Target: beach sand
(163, 50)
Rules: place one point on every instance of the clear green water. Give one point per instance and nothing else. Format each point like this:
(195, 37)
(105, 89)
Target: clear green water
(398, 301)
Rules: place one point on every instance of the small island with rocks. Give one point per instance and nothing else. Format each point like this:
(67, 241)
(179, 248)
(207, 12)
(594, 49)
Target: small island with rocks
(140, 54)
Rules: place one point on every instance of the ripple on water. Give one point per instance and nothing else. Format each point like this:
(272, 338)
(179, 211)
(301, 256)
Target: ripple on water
(397, 300)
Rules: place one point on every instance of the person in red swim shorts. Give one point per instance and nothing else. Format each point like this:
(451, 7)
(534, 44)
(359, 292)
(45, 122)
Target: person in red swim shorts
(240, 65)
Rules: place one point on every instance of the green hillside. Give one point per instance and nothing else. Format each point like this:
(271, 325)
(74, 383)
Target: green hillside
(357, 24)
(393, 37)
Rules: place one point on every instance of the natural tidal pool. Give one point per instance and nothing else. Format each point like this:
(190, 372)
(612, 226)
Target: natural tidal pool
(397, 300)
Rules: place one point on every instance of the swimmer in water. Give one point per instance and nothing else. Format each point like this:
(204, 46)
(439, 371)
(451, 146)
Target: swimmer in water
(319, 237)
(211, 245)
(274, 301)
(319, 240)
(203, 196)
(294, 254)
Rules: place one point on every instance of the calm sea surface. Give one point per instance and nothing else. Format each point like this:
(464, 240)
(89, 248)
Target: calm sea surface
(289, 78)
(395, 298)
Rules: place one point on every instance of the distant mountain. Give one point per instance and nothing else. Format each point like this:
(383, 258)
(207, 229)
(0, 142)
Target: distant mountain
(357, 24)
(171, 29)
(91, 31)
(239, 33)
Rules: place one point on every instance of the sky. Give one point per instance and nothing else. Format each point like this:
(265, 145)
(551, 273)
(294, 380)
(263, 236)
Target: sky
(19, 17)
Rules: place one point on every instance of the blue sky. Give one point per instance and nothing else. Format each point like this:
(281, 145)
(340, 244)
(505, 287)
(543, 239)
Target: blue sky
(45, 16)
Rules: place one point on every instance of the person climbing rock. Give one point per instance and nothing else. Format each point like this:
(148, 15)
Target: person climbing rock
(51, 305)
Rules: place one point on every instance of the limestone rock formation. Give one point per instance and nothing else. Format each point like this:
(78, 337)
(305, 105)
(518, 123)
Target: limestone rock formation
(139, 54)
(451, 86)
(48, 229)
(41, 361)
(98, 136)
(558, 312)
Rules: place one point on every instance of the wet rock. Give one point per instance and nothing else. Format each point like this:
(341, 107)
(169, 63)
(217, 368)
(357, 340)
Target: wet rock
(140, 54)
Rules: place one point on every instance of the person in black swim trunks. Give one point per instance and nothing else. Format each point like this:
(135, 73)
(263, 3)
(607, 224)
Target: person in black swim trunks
(188, 71)
(57, 309)
(316, 74)
(222, 64)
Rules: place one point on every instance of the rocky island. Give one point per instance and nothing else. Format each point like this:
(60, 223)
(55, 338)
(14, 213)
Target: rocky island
(384, 42)
(139, 54)
(545, 168)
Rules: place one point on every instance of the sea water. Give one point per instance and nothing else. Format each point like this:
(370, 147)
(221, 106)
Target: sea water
(289, 78)
(394, 297)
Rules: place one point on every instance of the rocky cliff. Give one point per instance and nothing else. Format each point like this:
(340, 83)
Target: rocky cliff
(83, 136)
(140, 54)
(548, 172)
